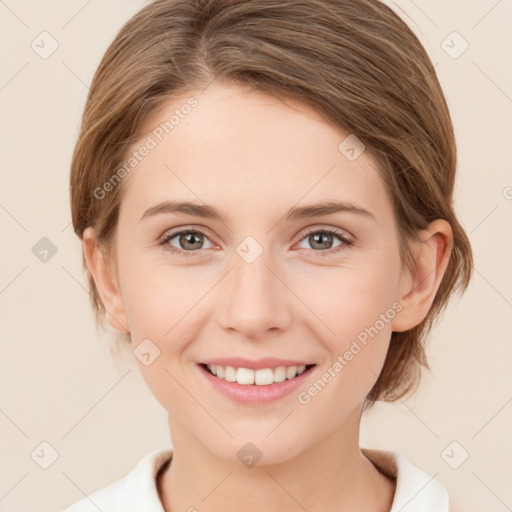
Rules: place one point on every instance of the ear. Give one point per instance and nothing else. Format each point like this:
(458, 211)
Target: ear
(417, 292)
(106, 281)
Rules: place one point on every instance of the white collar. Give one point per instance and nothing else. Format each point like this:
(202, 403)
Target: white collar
(415, 490)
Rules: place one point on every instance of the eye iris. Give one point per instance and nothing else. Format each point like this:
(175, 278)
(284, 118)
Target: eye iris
(319, 236)
(189, 238)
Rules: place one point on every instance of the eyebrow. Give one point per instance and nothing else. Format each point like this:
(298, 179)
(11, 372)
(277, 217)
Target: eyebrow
(298, 213)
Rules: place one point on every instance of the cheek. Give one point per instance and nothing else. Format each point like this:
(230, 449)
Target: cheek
(157, 296)
(161, 304)
(344, 301)
(351, 310)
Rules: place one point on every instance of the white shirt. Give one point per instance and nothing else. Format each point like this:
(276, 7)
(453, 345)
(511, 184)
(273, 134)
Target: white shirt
(137, 491)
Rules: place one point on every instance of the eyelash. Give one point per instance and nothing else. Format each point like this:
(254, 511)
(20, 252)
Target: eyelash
(347, 242)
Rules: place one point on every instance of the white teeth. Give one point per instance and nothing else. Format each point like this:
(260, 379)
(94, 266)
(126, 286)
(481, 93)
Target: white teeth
(280, 374)
(245, 376)
(230, 374)
(291, 372)
(262, 377)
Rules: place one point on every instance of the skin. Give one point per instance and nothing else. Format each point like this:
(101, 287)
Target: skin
(253, 157)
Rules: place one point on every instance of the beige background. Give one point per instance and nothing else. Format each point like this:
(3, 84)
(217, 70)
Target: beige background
(59, 383)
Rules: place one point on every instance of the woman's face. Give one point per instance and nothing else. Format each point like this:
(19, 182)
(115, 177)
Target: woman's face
(253, 283)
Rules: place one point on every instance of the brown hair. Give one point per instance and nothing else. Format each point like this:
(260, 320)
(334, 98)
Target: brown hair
(354, 61)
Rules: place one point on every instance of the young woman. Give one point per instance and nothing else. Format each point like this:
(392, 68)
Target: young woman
(264, 190)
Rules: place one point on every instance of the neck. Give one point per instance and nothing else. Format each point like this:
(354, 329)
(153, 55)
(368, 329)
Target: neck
(328, 474)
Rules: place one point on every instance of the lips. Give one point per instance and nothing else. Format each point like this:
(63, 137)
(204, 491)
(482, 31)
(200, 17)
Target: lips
(255, 395)
(256, 364)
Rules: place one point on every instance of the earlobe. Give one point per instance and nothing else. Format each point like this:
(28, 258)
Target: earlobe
(106, 281)
(417, 293)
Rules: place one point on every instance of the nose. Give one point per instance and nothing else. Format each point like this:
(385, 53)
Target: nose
(255, 301)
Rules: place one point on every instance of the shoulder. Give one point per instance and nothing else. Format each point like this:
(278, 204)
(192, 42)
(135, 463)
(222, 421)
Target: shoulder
(135, 491)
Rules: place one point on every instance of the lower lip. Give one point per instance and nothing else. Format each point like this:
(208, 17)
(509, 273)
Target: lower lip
(255, 394)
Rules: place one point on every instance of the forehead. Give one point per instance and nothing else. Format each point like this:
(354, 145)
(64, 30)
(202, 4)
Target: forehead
(241, 147)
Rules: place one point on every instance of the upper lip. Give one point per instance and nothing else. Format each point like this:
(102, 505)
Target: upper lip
(255, 364)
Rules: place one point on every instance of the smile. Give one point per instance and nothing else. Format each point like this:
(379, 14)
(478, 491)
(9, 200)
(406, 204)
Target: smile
(256, 387)
(261, 377)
